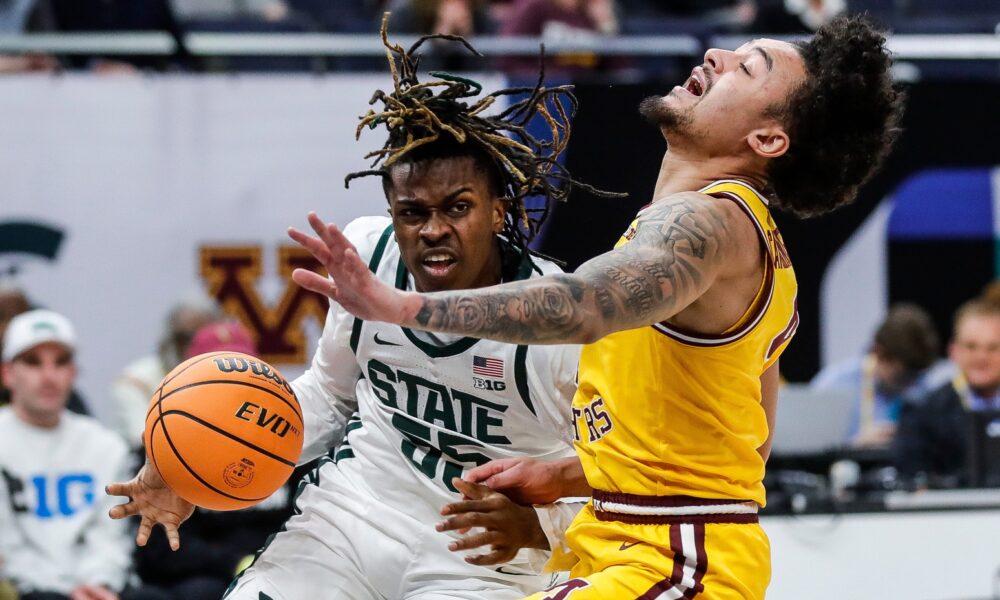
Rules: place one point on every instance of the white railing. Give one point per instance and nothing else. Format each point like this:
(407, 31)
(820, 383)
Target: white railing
(905, 47)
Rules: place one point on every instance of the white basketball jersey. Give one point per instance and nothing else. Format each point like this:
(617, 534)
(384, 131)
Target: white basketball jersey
(427, 411)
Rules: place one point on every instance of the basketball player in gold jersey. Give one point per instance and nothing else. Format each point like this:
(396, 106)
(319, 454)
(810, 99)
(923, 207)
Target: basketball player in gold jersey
(684, 320)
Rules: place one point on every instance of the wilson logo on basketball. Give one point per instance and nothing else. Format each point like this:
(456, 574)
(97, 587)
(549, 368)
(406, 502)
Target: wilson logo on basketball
(230, 364)
(254, 413)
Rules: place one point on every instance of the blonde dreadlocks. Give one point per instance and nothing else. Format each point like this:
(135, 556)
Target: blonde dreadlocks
(442, 111)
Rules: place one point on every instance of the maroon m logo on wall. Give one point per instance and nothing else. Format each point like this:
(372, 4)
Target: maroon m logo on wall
(232, 273)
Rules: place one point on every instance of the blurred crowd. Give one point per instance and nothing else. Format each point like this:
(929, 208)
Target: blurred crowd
(56, 540)
(912, 410)
(548, 19)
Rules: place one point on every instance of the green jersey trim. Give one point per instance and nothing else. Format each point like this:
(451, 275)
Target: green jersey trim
(372, 265)
(521, 377)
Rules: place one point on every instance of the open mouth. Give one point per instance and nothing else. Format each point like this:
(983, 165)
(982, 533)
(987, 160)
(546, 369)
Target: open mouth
(438, 263)
(693, 86)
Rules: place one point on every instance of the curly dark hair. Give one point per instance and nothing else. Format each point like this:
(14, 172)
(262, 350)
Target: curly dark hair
(908, 335)
(438, 119)
(842, 121)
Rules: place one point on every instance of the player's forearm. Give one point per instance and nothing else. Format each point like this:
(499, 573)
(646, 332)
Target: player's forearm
(610, 293)
(673, 258)
(574, 481)
(557, 309)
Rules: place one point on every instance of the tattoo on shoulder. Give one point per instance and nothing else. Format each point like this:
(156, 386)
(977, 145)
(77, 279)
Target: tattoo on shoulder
(658, 272)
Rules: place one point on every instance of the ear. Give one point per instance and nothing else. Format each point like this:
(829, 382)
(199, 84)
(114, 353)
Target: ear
(499, 214)
(952, 350)
(769, 142)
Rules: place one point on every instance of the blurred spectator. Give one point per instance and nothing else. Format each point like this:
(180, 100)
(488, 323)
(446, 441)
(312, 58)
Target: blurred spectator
(229, 336)
(216, 544)
(795, 16)
(932, 430)
(559, 20)
(21, 16)
(717, 14)
(13, 301)
(131, 392)
(451, 17)
(456, 17)
(902, 363)
(114, 16)
(267, 10)
(58, 541)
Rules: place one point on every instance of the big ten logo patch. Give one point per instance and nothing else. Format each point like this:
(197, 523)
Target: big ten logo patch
(593, 418)
(51, 496)
(232, 275)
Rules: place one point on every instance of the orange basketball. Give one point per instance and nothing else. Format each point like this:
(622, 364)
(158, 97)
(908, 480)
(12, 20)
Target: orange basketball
(224, 430)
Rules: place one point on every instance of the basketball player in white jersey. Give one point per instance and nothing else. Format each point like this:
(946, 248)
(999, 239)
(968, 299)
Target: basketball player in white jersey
(409, 412)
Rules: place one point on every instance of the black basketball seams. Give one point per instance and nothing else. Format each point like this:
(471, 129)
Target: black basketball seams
(165, 381)
(221, 431)
(194, 474)
(295, 409)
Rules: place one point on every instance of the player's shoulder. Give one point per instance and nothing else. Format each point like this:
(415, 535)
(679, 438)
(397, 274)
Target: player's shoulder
(694, 205)
(367, 232)
(717, 225)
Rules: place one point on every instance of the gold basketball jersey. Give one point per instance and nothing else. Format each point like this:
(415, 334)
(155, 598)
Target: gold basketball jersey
(666, 412)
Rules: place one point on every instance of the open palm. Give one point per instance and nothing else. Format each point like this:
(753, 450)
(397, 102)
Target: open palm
(354, 287)
(156, 504)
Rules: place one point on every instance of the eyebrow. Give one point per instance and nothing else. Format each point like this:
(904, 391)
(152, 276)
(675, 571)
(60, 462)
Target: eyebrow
(767, 57)
(420, 202)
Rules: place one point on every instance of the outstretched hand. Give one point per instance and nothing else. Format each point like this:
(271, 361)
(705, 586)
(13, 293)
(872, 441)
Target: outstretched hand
(507, 527)
(524, 480)
(354, 287)
(151, 499)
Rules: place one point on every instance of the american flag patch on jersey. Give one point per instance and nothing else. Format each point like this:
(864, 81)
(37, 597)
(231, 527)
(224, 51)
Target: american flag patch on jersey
(487, 367)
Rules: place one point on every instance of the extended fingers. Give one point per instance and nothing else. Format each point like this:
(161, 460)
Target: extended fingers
(173, 536)
(465, 521)
(315, 282)
(484, 472)
(476, 540)
(120, 489)
(330, 234)
(314, 245)
(468, 506)
(120, 511)
(145, 529)
(474, 491)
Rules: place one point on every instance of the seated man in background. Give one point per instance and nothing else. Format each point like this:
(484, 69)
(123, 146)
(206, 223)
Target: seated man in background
(13, 301)
(902, 363)
(931, 443)
(56, 540)
(134, 387)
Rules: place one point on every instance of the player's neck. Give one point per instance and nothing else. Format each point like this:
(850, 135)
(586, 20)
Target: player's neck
(685, 172)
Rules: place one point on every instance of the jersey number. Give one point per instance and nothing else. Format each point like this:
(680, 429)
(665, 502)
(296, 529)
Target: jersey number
(418, 447)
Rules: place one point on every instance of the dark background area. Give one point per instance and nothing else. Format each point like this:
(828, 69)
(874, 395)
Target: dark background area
(947, 123)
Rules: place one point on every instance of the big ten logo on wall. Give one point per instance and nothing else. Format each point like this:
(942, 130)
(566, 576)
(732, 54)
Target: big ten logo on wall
(232, 275)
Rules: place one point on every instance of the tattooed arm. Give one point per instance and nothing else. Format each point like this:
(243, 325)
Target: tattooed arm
(681, 246)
